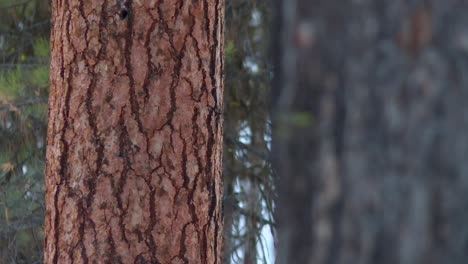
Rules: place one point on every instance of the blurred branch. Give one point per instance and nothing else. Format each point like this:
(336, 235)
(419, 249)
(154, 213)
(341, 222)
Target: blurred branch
(31, 222)
(23, 103)
(237, 143)
(14, 65)
(15, 5)
(256, 217)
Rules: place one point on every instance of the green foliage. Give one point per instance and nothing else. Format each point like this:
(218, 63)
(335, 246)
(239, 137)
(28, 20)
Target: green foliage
(229, 50)
(40, 77)
(42, 48)
(23, 82)
(11, 84)
(300, 119)
(6, 3)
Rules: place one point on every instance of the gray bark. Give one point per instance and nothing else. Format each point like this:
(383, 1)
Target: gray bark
(371, 131)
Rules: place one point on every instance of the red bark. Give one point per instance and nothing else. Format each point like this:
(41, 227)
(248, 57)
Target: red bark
(133, 170)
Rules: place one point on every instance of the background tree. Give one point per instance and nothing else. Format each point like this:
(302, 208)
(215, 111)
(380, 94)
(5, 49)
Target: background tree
(370, 138)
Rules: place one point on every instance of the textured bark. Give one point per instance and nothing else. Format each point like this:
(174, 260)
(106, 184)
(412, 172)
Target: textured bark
(370, 139)
(133, 169)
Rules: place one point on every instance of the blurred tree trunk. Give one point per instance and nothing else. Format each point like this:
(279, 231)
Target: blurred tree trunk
(133, 169)
(371, 131)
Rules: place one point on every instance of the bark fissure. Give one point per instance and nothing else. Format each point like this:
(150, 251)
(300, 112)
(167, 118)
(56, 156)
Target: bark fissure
(65, 146)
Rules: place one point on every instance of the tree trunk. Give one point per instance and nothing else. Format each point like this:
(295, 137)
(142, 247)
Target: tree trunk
(370, 139)
(133, 170)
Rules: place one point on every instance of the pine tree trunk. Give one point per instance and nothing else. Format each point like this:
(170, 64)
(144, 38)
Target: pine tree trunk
(133, 170)
(370, 139)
